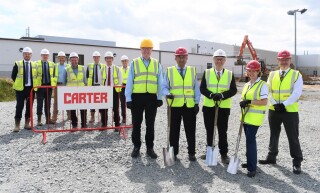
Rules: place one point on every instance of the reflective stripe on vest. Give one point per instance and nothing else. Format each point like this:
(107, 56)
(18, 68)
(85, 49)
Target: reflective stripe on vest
(124, 74)
(73, 79)
(282, 90)
(256, 113)
(182, 88)
(18, 83)
(145, 80)
(216, 86)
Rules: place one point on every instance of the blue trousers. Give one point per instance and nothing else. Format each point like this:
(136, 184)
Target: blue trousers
(251, 146)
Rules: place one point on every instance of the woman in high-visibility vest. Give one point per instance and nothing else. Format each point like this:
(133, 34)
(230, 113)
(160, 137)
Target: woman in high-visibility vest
(254, 102)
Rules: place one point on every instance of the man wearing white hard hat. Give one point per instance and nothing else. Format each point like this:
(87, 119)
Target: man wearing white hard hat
(112, 77)
(125, 71)
(94, 76)
(218, 85)
(24, 76)
(59, 75)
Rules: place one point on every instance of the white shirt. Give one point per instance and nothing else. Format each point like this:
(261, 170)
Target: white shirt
(111, 73)
(29, 73)
(296, 93)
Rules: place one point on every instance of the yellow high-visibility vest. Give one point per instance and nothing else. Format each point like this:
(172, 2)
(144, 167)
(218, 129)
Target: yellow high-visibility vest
(73, 79)
(18, 83)
(182, 88)
(145, 79)
(282, 90)
(90, 77)
(125, 74)
(256, 113)
(53, 80)
(216, 86)
(115, 80)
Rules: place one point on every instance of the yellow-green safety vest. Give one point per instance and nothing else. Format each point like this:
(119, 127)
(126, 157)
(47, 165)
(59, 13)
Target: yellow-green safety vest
(216, 86)
(125, 74)
(281, 90)
(90, 77)
(115, 80)
(73, 79)
(182, 88)
(256, 113)
(56, 70)
(145, 79)
(53, 80)
(18, 83)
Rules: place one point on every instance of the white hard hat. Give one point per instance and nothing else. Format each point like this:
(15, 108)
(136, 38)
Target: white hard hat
(45, 51)
(73, 54)
(108, 54)
(96, 53)
(27, 50)
(61, 53)
(124, 57)
(220, 53)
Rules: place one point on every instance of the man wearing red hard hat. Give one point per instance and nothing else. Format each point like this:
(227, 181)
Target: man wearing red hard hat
(286, 88)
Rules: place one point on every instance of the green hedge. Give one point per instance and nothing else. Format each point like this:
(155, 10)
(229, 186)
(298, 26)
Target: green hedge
(6, 91)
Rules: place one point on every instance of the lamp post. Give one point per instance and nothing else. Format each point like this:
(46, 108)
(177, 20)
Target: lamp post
(294, 12)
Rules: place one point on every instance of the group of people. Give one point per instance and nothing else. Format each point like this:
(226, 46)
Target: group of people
(146, 84)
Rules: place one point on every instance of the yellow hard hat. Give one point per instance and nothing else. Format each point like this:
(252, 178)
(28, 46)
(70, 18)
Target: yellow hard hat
(146, 43)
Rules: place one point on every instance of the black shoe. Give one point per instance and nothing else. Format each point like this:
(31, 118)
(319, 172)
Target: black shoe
(267, 161)
(203, 157)
(296, 170)
(251, 174)
(192, 157)
(135, 152)
(244, 165)
(225, 159)
(151, 153)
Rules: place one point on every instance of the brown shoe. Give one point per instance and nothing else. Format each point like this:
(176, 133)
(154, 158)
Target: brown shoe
(27, 124)
(16, 125)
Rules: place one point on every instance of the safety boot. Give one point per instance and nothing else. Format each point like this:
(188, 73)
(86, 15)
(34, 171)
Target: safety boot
(27, 124)
(17, 125)
(39, 121)
(92, 117)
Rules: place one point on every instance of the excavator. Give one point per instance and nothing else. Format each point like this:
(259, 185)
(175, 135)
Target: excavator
(254, 56)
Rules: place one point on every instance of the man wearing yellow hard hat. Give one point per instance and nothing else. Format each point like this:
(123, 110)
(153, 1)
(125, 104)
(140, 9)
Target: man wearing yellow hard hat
(143, 93)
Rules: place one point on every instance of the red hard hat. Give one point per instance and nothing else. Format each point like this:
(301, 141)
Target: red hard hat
(284, 54)
(253, 65)
(181, 51)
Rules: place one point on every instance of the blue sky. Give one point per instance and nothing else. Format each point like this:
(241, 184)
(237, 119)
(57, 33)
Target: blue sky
(128, 22)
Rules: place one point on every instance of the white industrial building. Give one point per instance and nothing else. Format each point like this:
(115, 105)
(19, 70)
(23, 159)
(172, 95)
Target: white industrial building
(200, 53)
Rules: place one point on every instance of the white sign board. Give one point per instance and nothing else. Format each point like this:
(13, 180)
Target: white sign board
(85, 97)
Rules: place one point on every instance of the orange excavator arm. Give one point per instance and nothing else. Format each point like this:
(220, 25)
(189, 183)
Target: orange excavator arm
(247, 42)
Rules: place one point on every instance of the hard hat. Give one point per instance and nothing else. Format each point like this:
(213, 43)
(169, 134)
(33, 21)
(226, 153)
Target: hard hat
(61, 53)
(253, 65)
(181, 52)
(146, 43)
(284, 54)
(45, 51)
(124, 57)
(96, 53)
(108, 54)
(27, 50)
(73, 54)
(220, 53)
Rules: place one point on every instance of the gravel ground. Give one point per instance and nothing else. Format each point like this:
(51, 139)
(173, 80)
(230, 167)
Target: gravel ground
(96, 161)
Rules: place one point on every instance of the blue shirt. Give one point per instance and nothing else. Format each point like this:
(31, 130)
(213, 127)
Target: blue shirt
(166, 88)
(62, 73)
(129, 85)
(75, 71)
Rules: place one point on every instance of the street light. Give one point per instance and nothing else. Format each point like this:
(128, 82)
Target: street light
(293, 12)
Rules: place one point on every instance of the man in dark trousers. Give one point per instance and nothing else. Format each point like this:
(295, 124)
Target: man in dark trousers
(24, 76)
(143, 93)
(181, 88)
(218, 86)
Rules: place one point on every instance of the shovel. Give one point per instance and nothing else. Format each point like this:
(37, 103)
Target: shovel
(212, 152)
(235, 161)
(168, 152)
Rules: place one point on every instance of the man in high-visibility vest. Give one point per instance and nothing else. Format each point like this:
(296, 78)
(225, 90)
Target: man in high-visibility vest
(143, 93)
(181, 88)
(125, 71)
(95, 77)
(285, 87)
(24, 76)
(59, 75)
(218, 85)
(45, 78)
(112, 76)
(76, 76)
